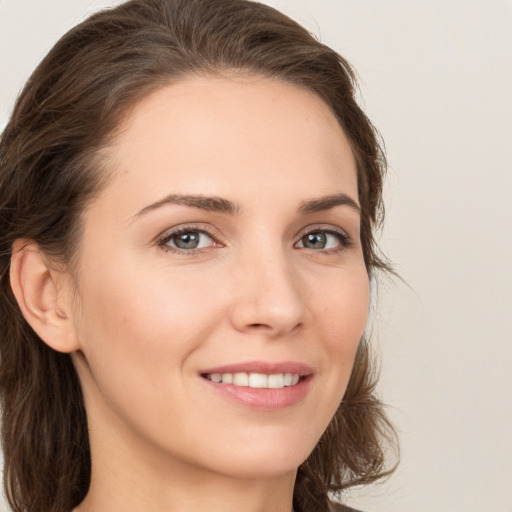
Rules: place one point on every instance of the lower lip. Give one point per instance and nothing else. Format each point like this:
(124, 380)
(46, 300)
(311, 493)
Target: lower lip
(263, 398)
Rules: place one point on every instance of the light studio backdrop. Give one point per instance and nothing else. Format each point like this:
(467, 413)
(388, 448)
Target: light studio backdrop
(436, 79)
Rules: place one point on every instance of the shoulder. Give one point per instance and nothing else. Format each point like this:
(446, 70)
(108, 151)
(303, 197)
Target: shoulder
(337, 507)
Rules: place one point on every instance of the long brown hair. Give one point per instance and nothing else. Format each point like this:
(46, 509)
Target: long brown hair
(49, 170)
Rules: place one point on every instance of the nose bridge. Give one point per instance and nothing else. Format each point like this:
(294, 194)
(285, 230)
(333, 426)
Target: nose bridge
(269, 295)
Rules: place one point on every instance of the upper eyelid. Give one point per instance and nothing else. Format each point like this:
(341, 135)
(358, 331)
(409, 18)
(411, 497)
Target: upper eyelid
(323, 227)
(200, 228)
(209, 231)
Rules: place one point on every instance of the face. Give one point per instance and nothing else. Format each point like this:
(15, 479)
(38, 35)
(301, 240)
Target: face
(225, 251)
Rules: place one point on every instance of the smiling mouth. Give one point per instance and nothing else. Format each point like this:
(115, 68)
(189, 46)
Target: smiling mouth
(260, 385)
(255, 380)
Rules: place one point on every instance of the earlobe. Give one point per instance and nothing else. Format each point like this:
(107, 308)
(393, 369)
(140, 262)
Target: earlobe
(38, 291)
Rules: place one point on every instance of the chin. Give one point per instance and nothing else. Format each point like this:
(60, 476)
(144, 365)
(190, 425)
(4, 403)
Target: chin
(258, 459)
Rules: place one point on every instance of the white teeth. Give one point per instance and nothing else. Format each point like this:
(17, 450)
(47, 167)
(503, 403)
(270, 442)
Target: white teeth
(256, 380)
(276, 381)
(288, 379)
(241, 379)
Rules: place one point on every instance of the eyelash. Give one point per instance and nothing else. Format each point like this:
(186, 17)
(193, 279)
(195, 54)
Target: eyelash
(163, 242)
(344, 240)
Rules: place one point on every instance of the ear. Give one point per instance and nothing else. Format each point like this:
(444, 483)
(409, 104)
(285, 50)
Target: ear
(42, 296)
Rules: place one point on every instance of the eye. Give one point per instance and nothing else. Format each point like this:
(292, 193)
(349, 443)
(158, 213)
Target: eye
(187, 239)
(325, 240)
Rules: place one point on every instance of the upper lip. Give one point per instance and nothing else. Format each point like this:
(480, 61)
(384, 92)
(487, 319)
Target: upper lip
(264, 367)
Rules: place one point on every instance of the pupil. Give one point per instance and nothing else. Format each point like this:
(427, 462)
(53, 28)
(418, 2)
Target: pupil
(187, 241)
(316, 240)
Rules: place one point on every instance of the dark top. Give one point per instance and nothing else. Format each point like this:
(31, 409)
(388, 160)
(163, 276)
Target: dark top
(336, 507)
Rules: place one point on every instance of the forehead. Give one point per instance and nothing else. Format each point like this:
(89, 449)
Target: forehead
(239, 135)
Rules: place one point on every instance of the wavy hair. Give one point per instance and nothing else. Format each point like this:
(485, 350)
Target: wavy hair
(68, 111)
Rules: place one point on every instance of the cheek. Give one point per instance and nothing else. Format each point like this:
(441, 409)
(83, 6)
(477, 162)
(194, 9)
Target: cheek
(138, 332)
(342, 314)
(141, 318)
(343, 310)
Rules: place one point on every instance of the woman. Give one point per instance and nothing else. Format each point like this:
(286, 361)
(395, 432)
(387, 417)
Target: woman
(188, 198)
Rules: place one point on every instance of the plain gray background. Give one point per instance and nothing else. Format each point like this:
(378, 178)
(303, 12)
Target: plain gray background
(436, 79)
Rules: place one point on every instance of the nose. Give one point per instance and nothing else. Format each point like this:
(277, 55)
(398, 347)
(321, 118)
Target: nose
(268, 297)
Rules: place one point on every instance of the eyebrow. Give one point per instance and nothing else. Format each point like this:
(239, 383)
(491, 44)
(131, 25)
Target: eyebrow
(328, 202)
(221, 205)
(209, 203)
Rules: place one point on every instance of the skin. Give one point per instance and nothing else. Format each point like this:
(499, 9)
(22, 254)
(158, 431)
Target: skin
(143, 319)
